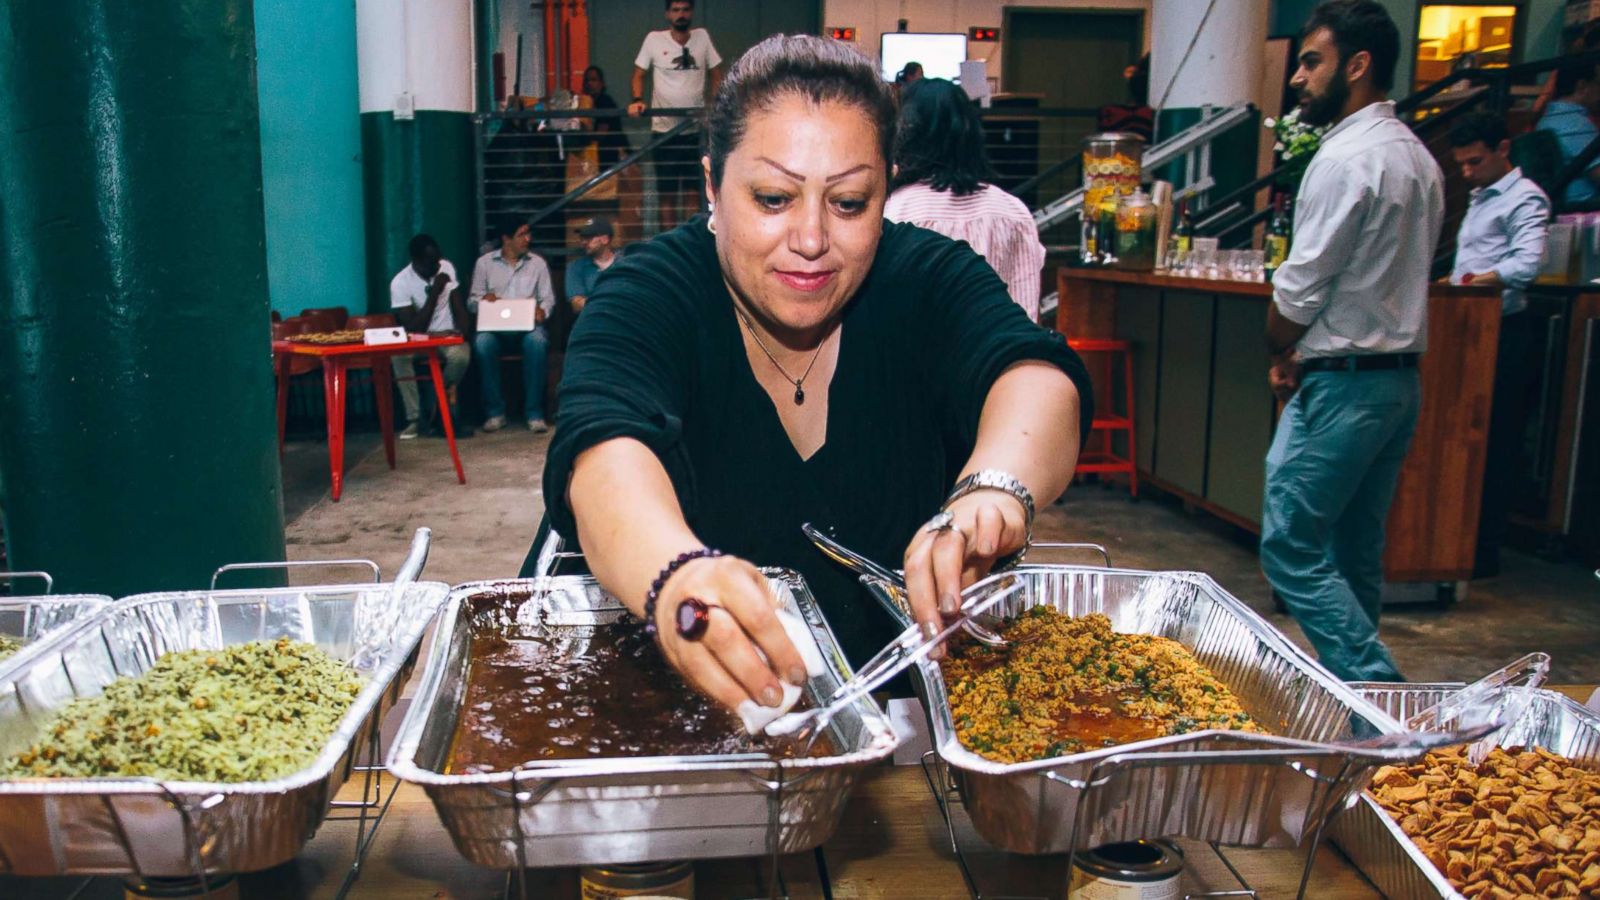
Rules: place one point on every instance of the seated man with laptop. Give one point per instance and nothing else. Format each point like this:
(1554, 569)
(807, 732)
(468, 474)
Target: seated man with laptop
(513, 296)
(426, 298)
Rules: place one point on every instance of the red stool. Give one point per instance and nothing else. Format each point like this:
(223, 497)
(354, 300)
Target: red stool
(1101, 457)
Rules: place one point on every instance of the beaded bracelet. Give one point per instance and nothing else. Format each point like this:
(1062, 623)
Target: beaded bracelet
(667, 572)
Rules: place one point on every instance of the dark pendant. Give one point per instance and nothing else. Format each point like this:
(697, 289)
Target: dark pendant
(799, 395)
(694, 617)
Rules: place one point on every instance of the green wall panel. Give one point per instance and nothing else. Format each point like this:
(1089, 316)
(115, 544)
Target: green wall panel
(1180, 451)
(1139, 322)
(419, 177)
(1241, 407)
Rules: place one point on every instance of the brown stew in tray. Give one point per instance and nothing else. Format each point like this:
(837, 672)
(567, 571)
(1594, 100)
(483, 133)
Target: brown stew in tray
(534, 696)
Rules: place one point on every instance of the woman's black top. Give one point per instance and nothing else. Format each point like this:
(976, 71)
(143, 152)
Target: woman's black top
(657, 356)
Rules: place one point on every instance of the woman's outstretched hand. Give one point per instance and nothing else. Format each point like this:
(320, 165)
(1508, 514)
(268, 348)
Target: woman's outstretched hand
(984, 526)
(743, 618)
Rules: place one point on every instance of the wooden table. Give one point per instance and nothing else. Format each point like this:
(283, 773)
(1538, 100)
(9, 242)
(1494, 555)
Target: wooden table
(891, 844)
(336, 360)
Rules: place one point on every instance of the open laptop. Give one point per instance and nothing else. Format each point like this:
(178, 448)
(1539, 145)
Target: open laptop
(507, 315)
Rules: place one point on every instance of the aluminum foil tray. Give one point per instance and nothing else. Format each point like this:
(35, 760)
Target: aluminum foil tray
(107, 826)
(624, 810)
(32, 619)
(1236, 789)
(1375, 843)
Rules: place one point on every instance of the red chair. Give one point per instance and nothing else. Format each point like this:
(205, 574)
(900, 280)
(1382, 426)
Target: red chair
(339, 314)
(298, 365)
(1103, 459)
(318, 321)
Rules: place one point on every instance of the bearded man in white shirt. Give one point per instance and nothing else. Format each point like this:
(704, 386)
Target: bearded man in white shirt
(678, 61)
(1347, 325)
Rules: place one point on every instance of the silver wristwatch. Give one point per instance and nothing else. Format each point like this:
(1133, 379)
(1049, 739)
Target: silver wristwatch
(997, 480)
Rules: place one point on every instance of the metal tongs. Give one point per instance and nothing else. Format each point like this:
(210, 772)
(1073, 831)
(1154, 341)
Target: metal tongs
(377, 614)
(1497, 700)
(1469, 716)
(803, 728)
(861, 565)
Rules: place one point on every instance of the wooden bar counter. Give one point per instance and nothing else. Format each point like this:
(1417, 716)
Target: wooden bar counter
(1205, 415)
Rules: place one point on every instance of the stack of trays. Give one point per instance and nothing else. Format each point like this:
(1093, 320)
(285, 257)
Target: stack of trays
(33, 619)
(1374, 841)
(624, 809)
(111, 826)
(1234, 788)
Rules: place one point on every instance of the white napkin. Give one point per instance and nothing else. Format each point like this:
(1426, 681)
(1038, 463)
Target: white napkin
(757, 717)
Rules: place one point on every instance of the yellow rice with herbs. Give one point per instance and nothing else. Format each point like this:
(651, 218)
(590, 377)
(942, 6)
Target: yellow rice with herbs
(247, 712)
(9, 645)
(1068, 685)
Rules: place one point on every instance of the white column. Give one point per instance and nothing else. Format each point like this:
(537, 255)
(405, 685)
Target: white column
(419, 47)
(1224, 68)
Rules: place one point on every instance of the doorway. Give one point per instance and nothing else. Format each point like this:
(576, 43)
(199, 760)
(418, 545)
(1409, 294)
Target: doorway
(1069, 62)
(1455, 35)
(1073, 58)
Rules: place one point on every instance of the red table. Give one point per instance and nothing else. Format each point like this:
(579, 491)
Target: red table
(336, 358)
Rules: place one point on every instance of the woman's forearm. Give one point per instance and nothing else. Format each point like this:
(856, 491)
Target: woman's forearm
(1029, 428)
(629, 521)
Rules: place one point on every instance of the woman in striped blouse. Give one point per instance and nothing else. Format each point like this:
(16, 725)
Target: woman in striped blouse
(941, 184)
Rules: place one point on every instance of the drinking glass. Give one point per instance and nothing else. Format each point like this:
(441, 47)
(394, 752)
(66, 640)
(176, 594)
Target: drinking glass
(1204, 263)
(1177, 262)
(1257, 268)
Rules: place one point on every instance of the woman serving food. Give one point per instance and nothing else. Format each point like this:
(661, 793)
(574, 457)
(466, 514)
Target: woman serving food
(791, 358)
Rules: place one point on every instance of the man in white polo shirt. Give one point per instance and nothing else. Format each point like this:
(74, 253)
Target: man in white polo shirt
(1348, 322)
(677, 60)
(426, 298)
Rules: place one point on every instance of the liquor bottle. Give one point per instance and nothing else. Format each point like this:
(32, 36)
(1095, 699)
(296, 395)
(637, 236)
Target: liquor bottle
(1278, 234)
(1183, 231)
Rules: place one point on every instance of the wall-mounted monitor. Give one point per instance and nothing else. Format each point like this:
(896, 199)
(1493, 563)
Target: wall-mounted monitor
(941, 55)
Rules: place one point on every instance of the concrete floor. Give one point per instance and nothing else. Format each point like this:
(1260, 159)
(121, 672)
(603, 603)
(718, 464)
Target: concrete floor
(483, 529)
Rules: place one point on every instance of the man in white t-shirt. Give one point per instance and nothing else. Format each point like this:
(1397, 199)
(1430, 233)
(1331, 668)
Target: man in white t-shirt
(426, 298)
(677, 60)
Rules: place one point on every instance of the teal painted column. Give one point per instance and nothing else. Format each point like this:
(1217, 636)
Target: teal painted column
(418, 173)
(311, 154)
(136, 386)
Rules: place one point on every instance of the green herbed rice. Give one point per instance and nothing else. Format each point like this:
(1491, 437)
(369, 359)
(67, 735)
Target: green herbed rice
(9, 645)
(249, 712)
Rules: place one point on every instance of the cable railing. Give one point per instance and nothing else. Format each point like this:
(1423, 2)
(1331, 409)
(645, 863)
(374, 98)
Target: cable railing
(556, 169)
(1430, 111)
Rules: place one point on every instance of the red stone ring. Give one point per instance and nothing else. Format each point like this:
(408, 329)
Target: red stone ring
(692, 618)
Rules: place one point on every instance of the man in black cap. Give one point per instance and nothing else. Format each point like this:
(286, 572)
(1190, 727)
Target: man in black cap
(594, 236)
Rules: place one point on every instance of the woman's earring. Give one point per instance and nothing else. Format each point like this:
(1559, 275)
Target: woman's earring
(711, 223)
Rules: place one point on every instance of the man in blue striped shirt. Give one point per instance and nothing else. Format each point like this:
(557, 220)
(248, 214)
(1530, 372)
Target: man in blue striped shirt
(1500, 243)
(1568, 118)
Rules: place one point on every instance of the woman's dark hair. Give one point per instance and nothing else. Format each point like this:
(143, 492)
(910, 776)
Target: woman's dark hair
(595, 69)
(802, 65)
(1480, 125)
(505, 225)
(940, 139)
(1358, 25)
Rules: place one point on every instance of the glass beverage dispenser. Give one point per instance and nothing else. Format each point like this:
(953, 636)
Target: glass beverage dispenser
(1111, 168)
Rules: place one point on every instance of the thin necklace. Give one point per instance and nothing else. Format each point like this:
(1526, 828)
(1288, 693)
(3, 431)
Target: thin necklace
(799, 383)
